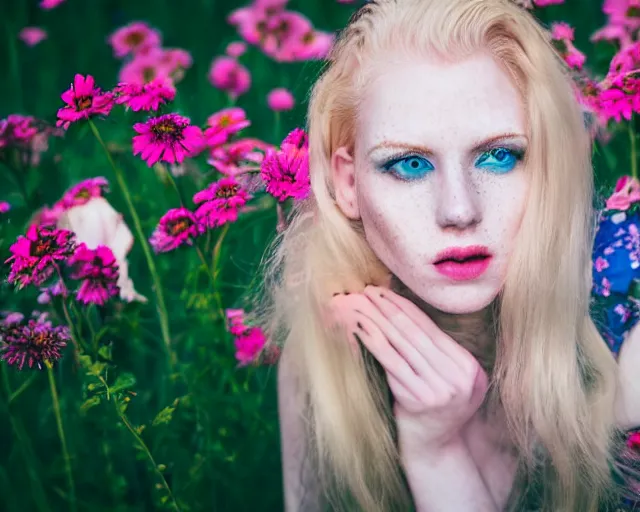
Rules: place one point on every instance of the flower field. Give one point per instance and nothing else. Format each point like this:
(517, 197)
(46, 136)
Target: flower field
(149, 152)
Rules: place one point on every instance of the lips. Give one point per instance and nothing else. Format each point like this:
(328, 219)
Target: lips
(463, 263)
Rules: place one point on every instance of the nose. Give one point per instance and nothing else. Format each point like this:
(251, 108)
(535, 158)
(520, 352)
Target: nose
(458, 204)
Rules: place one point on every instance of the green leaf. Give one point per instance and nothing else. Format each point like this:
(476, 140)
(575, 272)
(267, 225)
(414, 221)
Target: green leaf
(164, 416)
(124, 381)
(88, 404)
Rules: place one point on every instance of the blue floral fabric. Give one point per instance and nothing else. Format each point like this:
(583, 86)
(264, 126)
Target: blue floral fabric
(615, 310)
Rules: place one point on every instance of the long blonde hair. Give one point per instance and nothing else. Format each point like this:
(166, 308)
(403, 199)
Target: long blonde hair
(552, 372)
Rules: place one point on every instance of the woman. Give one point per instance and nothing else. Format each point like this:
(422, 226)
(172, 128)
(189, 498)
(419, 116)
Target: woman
(447, 241)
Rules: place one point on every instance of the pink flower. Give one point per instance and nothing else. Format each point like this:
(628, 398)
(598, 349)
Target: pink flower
(50, 4)
(221, 201)
(177, 227)
(83, 100)
(236, 49)
(144, 68)
(286, 172)
(169, 138)
(18, 131)
(248, 345)
(36, 255)
(32, 35)
(224, 124)
(229, 75)
(98, 270)
(633, 441)
(147, 96)
(4, 207)
(280, 99)
(83, 192)
(235, 157)
(132, 38)
(626, 193)
(544, 3)
(235, 321)
(562, 31)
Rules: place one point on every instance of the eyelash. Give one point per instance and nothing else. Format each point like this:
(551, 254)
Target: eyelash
(516, 153)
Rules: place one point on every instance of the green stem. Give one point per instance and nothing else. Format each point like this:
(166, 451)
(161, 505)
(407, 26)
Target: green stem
(212, 278)
(162, 308)
(63, 440)
(143, 446)
(175, 186)
(216, 260)
(634, 159)
(21, 389)
(25, 447)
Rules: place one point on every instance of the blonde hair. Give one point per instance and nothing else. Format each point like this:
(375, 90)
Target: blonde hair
(552, 372)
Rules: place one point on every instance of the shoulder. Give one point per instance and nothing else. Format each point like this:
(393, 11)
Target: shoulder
(628, 399)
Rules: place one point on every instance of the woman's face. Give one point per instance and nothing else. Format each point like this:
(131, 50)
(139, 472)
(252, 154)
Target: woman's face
(438, 165)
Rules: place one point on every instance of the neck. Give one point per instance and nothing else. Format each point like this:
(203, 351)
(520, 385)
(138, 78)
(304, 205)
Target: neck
(476, 332)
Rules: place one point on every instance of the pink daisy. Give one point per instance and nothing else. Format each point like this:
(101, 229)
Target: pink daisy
(228, 74)
(132, 38)
(248, 345)
(176, 227)
(286, 172)
(18, 131)
(4, 207)
(83, 100)
(36, 255)
(239, 155)
(84, 191)
(224, 124)
(169, 138)
(220, 202)
(32, 35)
(98, 270)
(280, 99)
(236, 49)
(147, 96)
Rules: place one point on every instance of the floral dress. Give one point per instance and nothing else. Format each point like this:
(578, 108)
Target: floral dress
(615, 309)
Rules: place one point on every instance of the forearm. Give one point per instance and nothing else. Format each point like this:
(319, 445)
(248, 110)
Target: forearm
(446, 479)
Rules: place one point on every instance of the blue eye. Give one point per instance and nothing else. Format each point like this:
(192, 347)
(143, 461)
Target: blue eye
(411, 167)
(500, 160)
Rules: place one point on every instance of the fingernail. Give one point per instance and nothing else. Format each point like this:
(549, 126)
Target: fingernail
(360, 326)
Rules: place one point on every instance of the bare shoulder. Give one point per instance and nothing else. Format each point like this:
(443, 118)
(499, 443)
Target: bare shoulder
(300, 482)
(628, 400)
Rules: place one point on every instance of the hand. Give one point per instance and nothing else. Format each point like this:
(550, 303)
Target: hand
(436, 383)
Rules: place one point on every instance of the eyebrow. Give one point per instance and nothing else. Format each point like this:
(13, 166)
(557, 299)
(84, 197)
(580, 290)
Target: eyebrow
(484, 144)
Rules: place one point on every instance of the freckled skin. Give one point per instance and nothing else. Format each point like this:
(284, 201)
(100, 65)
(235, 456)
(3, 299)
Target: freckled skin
(407, 223)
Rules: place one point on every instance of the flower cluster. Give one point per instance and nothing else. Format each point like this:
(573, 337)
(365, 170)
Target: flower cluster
(562, 36)
(26, 135)
(33, 343)
(286, 172)
(148, 61)
(283, 35)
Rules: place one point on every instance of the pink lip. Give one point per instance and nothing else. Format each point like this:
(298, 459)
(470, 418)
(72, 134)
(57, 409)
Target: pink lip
(463, 270)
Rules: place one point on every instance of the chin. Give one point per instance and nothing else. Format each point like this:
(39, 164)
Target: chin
(459, 299)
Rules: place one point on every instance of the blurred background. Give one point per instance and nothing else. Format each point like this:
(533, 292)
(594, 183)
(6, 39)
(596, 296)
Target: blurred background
(169, 402)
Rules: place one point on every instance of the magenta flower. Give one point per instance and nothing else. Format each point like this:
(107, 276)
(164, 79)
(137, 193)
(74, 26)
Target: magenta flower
(280, 100)
(249, 345)
(147, 96)
(220, 202)
(236, 49)
(544, 3)
(177, 227)
(228, 74)
(4, 207)
(82, 192)
(18, 131)
(131, 38)
(50, 4)
(626, 193)
(237, 156)
(169, 138)
(36, 255)
(98, 270)
(31, 36)
(224, 124)
(35, 343)
(286, 172)
(235, 321)
(83, 100)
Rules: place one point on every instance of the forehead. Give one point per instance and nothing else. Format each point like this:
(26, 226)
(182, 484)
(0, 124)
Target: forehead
(427, 101)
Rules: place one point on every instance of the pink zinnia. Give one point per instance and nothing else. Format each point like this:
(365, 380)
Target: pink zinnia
(83, 100)
(50, 4)
(286, 172)
(176, 227)
(169, 138)
(132, 38)
(626, 193)
(224, 124)
(221, 201)
(236, 49)
(562, 31)
(234, 157)
(633, 441)
(84, 191)
(249, 344)
(98, 270)
(36, 255)
(235, 321)
(280, 100)
(544, 3)
(18, 131)
(147, 96)
(32, 35)
(229, 75)
(4, 207)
